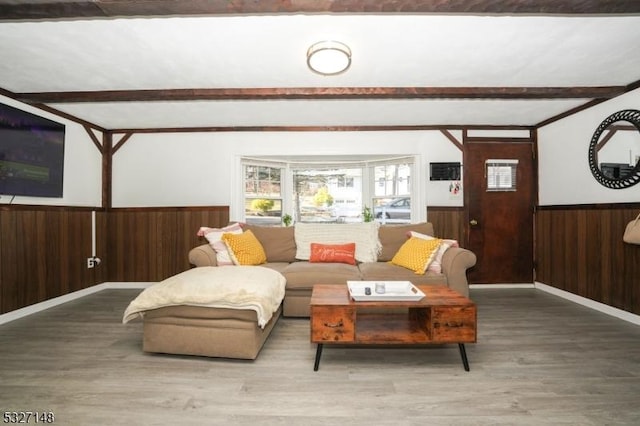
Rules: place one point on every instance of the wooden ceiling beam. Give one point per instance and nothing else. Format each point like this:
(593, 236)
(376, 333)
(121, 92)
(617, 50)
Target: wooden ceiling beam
(357, 128)
(323, 93)
(64, 9)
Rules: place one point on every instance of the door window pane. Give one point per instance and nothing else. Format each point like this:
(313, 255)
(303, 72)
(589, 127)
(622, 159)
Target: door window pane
(501, 175)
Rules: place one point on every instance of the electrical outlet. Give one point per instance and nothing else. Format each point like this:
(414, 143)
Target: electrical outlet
(90, 262)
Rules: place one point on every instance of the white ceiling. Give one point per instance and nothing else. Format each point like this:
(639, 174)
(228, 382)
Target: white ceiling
(269, 51)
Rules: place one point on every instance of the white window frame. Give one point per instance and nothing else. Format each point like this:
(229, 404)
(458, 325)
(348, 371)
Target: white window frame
(237, 207)
(417, 193)
(501, 175)
(418, 196)
(327, 165)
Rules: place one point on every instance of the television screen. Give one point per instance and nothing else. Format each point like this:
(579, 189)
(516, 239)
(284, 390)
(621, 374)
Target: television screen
(31, 154)
(445, 171)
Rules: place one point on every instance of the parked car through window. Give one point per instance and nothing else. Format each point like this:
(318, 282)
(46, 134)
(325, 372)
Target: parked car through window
(398, 208)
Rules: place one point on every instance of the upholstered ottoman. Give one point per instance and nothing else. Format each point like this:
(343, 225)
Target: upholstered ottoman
(212, 332)
(212, 311)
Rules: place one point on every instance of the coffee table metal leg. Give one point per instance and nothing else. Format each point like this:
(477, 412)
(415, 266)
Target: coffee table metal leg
(318, 355)
(463, 354)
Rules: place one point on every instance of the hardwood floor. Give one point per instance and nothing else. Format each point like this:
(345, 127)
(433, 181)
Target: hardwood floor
(539, 360)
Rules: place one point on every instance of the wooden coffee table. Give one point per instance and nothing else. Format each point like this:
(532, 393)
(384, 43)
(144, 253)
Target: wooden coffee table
(442, 316)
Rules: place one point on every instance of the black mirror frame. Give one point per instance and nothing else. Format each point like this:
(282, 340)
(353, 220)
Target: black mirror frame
(631, 116)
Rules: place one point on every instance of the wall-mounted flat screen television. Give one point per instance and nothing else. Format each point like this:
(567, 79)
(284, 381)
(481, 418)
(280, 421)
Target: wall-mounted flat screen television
(31, 154)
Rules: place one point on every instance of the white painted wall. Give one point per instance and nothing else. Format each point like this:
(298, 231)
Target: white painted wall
(191, 169)
(563, 166)
(82, 166)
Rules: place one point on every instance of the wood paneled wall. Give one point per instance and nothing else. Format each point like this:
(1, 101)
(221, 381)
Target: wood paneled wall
(151, 244)
(43, 253)
(44, 249)
(448, 222)
(579, 249)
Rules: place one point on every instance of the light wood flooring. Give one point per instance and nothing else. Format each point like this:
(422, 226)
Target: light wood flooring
(539, 360)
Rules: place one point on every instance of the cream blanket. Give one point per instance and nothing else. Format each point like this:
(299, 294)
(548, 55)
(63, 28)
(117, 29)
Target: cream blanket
(235, 287)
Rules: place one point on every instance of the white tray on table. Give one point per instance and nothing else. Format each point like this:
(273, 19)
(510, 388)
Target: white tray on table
(395, 291)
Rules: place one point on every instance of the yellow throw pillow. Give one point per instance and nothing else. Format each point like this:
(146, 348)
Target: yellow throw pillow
(245, 249)
(416, 254)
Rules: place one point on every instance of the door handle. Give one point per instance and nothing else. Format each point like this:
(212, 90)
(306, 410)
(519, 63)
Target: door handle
(473, 222)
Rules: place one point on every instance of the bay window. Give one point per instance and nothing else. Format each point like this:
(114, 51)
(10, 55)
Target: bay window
(329, 191)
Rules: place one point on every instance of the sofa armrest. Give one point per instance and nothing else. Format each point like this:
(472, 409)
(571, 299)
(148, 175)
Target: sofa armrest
(203, 255)
(455, 263)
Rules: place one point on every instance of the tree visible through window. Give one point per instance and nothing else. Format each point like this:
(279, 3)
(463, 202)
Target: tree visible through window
(327, 194)
(262, 194)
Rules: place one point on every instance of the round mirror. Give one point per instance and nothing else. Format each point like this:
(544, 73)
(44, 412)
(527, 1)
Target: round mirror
(614, 151)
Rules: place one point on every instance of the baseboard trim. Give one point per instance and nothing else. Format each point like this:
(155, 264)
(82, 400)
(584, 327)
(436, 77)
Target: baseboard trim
(495, 286)
(41, 306)
(601, 307)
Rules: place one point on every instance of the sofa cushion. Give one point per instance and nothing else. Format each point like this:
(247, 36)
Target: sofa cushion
(278, 242)
(383, 271)
(333, 253)
(276, 266)
(393, 236)
(304, 275)
(416, 254)
(184, 313)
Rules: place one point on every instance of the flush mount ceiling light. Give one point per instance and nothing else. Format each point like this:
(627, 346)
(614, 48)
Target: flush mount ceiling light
(329, 57)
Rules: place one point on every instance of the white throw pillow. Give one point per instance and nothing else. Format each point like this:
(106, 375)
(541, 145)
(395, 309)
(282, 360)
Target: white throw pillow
(214, 236)
(436, 263)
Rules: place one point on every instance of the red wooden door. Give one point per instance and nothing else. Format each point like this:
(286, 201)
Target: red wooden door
(500, 219)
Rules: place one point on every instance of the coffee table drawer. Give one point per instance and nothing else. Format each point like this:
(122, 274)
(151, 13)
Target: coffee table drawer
(329, 324)
(451, 324)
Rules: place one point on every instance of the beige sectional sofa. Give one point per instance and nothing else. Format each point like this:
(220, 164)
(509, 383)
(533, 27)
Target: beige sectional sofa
(279, 244)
